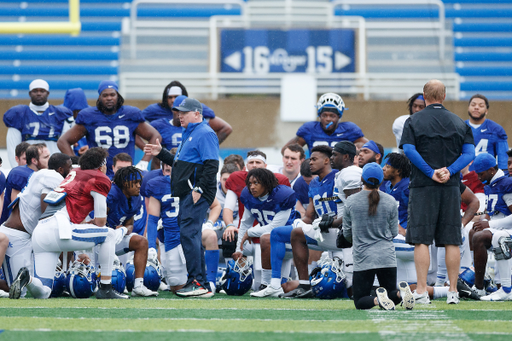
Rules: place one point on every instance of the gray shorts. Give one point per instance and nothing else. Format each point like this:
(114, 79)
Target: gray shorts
(434, 213)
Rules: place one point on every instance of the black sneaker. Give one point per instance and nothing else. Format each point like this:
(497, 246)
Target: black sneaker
(19, 283)
(192, 289)
(465, 291)
(295, 292)
(106, 292)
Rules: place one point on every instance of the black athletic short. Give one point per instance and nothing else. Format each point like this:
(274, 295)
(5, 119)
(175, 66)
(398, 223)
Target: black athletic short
(434, 213)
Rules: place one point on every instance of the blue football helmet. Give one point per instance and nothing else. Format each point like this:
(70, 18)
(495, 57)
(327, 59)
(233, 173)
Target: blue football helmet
(152, 276)
(237, 279)
(130, 275)
(118, 276)
(80, 283)
(331, 100)
(468, 276)
(329, 281)
(59, 282)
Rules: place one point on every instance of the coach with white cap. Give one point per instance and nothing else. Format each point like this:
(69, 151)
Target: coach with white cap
(38, 122)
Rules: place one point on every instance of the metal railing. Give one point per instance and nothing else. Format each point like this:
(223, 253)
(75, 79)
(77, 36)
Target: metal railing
(368, 85)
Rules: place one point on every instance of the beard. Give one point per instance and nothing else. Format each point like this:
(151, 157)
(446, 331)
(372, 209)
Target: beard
(476, 118)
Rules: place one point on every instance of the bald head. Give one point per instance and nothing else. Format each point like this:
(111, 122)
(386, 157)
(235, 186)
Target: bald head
(434, 92)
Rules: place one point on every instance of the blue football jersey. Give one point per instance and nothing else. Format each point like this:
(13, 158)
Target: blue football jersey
(280, 199)
(314, 135)
(171, 135)
(46, 126)
(145, 180)
(156, 111)
(324, 188)
(140, 219)
(301, 189)
(401, 194)
(160, 188)
(494, 196)
(491, 138)
(16, 179)
(120, 208)
(113, 132)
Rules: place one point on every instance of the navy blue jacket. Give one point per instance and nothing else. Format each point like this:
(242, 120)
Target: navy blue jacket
(196, 162)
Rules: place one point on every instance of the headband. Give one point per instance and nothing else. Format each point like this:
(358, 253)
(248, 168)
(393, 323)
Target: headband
(258, 157)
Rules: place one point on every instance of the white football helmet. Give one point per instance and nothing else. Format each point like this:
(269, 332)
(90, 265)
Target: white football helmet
(331, 100)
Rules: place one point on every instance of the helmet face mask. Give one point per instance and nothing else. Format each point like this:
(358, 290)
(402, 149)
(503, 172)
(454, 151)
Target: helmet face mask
(330, 101)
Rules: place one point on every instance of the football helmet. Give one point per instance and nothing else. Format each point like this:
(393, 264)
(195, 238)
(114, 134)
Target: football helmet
(152, 275)
(237, 279)
(331, 100)
(329, 281)
(118, 276)
(468, 276)
(80, 282)
(130, 275)
(59, 282)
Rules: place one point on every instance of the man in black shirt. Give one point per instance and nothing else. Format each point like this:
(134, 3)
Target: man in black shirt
(439, 144)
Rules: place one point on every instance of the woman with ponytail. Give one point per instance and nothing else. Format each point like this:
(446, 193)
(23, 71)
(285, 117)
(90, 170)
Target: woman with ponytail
(370, 221)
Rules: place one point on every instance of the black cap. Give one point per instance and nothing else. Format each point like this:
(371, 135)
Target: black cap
(190, 104)
(345, 147)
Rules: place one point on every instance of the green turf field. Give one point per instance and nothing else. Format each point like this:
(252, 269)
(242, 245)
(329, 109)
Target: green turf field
(246, 319)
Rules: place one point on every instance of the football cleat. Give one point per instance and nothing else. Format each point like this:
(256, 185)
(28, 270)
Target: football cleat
(408, 300)
(299, 291)
(421, 298)
(499, 295)
(142, 291)
(479, 292)
(19, 283)
(192, 289)
(452, 297)
(465, 291)
(268, 292)
(383, 299)
(106, 292)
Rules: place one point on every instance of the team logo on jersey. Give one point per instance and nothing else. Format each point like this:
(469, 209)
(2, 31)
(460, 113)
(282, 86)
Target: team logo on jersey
(483, 130)
(110, 86)
(121, 116)
(190, 138)
(50, 114)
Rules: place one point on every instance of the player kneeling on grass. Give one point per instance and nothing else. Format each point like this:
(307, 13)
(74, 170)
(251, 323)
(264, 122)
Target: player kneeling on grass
(61, 229)
(124, 203)
(370, 221)
(494, 234)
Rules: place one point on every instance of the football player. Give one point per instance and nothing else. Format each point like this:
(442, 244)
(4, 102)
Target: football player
(489, 136)
(75, 100)
(26, 213)
(415, 103)
(494, 234)
(37, 158)
(61, 229)
(329, 130)
(293, 155)
(38, 122)
(266, 202)
(110, 125)
(370, 152)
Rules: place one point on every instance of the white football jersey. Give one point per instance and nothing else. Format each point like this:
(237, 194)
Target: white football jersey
(41, 182)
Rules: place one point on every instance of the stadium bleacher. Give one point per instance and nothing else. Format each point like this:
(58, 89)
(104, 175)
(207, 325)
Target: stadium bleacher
(482, 43)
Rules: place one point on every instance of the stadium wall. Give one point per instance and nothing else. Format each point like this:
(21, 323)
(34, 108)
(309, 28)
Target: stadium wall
(256, 122)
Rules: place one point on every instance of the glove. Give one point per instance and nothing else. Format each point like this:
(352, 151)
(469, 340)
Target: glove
(208, 226)
(142, 165)
(326, 222)
(297, 223)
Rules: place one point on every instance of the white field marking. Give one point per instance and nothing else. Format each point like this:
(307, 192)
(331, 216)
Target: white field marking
(420, 323)
(185, 331)
(162, 308)
(170, 319)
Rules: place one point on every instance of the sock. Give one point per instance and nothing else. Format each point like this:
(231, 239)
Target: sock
(275, 283)
(506, 289)
(38, 289)
(278, 237)
(266, 275)
(211, 259)
(504, 270)
(440, 292)
(303, 282)
(106, 281)
(138, 282)
(213, 288)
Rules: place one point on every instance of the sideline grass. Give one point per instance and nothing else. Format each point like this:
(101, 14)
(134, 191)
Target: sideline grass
(247, 319)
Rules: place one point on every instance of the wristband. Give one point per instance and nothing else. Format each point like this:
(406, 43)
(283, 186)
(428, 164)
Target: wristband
(228, 225)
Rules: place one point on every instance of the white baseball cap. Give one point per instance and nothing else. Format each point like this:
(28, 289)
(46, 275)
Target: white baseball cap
(351, 177)
(39, 84)
(175, 91)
